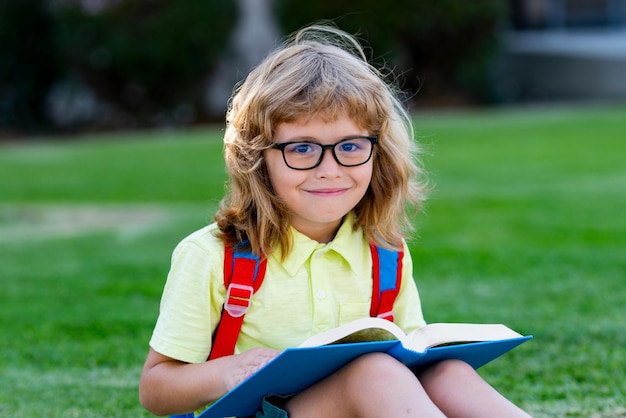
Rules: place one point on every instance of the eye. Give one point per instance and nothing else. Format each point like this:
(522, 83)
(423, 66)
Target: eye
(300, 148)
(349, 146)
(353, 145)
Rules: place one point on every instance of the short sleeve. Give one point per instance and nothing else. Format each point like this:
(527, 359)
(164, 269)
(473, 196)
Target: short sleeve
(192, 300)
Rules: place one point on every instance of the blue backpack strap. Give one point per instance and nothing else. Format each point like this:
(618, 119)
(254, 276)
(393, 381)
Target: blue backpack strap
(243, 275)
(386, 280)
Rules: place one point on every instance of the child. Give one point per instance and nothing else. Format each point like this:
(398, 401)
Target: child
(321, 162)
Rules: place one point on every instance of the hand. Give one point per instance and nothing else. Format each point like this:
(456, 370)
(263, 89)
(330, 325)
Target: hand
(248, 362)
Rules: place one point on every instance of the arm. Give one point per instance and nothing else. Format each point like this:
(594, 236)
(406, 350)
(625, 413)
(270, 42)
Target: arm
(168, 386)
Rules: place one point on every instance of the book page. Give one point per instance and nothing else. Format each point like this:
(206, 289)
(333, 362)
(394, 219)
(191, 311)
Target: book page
(361, 330)
(437, 334)
(365, 335)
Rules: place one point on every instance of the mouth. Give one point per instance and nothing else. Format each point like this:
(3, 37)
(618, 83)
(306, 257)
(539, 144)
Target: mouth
(328, 192)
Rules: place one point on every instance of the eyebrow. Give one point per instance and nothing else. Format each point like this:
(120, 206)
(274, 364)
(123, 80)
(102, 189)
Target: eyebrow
(314, 140)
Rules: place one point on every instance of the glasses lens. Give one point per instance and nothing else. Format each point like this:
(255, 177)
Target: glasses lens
(353, 151)
(302, 155)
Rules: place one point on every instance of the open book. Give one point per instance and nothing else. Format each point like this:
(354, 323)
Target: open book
(428, 336)
(295, 369)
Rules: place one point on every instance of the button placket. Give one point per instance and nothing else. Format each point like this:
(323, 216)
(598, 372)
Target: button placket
(322, 310)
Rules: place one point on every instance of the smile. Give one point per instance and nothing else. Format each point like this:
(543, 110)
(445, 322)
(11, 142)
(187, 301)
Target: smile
(328, 192)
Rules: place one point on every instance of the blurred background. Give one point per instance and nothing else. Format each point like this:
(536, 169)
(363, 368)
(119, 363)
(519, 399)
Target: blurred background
(82, 65)
(102, 173)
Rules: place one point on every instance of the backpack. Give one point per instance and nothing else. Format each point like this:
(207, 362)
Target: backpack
(244, 273)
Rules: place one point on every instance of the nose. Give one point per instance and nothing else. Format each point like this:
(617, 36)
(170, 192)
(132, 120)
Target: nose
(328, 165)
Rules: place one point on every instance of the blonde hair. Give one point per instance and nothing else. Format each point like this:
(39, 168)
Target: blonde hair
(323, 71)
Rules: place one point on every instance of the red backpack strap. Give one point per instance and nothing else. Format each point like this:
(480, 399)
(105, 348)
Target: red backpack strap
(386, 280)
(243, 275)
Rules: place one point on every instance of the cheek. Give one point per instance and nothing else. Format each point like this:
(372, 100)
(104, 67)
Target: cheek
(272, 165)
(281, 177)
(365, 176)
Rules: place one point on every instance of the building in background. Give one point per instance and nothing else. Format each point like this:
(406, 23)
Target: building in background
(565, 50)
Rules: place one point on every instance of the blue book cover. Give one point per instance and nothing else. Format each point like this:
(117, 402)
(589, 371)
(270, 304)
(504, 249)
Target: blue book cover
(295, 369)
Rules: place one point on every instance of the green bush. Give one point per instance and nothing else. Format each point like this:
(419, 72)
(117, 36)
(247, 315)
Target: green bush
(146, 58)
(28, 64)
(440, 49)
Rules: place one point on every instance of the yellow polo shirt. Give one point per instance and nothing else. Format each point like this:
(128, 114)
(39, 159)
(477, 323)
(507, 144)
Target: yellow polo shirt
(316, 288)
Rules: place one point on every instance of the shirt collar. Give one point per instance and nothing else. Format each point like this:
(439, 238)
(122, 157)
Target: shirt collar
(347, 243)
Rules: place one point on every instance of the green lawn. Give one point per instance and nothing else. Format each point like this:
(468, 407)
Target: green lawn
(526, 225)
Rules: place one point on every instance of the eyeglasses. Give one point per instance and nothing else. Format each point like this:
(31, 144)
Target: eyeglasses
(306, 155)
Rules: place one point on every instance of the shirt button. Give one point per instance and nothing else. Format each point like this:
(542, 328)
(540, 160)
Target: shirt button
(320, 294)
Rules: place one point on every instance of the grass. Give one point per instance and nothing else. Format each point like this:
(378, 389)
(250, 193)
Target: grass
(525, 226)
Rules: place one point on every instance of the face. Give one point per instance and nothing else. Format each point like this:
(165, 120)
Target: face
(320, 197)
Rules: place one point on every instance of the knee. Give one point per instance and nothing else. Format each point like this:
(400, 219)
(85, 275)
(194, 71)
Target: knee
(375, 364)
(446, 371)
(379, 385)
(450, 368)
(370, 369)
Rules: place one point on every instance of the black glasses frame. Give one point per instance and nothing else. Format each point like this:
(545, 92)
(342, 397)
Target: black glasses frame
(331, 147)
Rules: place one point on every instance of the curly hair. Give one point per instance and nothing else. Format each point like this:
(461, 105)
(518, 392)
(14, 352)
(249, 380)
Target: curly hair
(320, 70)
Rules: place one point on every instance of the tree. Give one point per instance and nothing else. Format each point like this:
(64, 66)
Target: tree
(147, 58)
(28, 64)
(440, 49)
